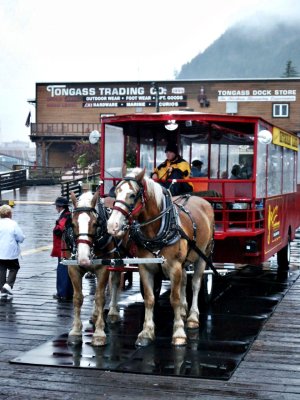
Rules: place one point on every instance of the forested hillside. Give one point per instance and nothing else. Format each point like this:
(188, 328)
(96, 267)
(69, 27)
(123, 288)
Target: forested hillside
(248, 51)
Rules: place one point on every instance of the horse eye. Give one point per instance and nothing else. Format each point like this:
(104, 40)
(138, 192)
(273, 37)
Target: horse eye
(132, 196)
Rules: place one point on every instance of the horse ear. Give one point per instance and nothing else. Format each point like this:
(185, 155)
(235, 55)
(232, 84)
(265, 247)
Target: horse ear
(95, 198)
(73, 198)
(141, 175)
(124, 170)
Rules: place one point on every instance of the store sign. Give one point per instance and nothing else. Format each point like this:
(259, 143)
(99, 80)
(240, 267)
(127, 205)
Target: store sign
(121, 96)
(242, 95)
(285, 139)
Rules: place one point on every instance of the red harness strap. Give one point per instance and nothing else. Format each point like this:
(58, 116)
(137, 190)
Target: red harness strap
(84, 241)
(122, 211)
(137, 208)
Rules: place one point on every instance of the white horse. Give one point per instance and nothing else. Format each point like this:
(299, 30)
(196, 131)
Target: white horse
(92, 241)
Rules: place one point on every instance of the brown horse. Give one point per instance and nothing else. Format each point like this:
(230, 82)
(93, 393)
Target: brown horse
(91, 240)
(169, 228)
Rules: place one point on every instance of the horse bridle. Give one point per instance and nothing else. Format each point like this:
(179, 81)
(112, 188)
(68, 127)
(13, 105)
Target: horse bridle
(168, 232)
(85, 241)
(101, 238)
(132, 209)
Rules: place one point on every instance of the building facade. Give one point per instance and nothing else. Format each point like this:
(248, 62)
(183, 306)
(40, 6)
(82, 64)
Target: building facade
(68, 112)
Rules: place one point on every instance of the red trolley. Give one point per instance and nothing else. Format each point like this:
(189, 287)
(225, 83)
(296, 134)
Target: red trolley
(258, 213)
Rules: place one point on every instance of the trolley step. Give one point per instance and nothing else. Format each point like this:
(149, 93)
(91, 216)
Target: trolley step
(119, 262)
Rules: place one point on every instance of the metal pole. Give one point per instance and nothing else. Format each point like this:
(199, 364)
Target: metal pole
(154, 85)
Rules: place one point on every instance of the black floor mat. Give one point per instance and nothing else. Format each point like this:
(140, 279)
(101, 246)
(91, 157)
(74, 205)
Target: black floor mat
(243, 301)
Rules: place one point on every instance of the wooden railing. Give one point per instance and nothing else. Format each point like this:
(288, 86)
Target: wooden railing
(58, 129)
(12, 180)
(54, 175)
(79, 185)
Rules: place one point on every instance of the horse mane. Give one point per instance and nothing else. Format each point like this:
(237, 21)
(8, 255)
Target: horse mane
(154, 189)
(85, 199)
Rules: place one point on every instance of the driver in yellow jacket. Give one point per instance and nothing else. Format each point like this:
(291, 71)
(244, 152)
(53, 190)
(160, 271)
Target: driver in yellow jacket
(174, 167)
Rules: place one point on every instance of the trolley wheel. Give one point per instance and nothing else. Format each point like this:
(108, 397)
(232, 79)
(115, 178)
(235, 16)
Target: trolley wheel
(283, 257)
(157, 286)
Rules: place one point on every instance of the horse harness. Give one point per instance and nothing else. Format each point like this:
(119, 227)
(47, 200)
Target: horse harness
(170, 231)
(100, 240)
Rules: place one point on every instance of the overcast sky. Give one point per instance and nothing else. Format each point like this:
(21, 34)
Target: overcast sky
(111, 40)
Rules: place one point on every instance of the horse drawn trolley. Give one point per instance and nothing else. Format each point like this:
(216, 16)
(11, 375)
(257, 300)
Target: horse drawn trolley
(256, 213)
(243, 209)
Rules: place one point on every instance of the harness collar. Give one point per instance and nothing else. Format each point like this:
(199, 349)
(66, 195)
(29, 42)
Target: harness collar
(168, 233)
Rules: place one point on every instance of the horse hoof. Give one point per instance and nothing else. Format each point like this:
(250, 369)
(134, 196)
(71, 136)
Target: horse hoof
(192, 325)
(143, 341)
(113, 319)
(179, 341)
(98, 341)
(74, 340)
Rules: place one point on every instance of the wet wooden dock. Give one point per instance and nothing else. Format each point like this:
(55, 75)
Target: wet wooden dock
(270, 370)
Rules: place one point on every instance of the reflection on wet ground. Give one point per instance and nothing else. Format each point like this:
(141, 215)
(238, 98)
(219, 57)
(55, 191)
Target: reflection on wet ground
(242, 302)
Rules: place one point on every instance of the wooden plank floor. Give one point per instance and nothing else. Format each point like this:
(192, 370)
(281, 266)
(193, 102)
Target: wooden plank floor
(270, 370)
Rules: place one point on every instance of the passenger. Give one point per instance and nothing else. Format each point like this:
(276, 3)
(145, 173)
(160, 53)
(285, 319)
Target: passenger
(224, 175)
(235, 172)
(246, 169)
(64, 287)
(174, 167)
(196, 169)
(10, 237)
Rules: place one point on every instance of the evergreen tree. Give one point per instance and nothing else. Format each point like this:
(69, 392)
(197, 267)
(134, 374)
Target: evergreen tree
(290, 71)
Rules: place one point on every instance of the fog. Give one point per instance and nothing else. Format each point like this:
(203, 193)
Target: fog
(75, 41)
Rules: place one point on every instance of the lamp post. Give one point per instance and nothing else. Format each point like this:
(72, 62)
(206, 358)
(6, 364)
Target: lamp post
(154, 85)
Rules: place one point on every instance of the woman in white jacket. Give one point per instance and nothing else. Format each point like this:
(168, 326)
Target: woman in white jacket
(10, 237)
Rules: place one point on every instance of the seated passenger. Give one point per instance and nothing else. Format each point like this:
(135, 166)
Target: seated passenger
(174, 167)
(224, 175)
(246, 169)
(235, 172)
(196, 169)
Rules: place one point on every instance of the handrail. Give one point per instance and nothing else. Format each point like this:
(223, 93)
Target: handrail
(59, 128)
(76, 185)
(12, 180)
